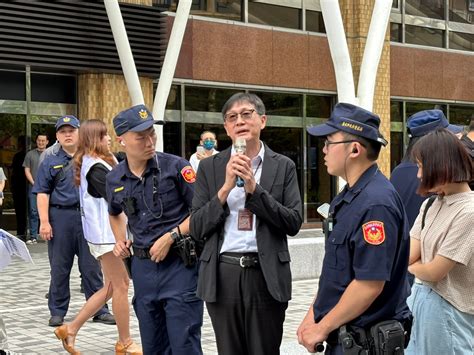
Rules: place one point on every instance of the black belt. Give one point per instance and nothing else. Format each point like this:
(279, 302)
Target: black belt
(71, 207)
(144, 253)
(141, 253)
(243, 260)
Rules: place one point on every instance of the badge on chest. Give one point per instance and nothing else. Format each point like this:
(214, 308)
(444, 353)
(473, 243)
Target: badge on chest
(245, 220)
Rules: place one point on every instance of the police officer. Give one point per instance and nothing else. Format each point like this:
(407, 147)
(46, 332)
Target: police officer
(155, 191)
(61, 226)
(363, 279)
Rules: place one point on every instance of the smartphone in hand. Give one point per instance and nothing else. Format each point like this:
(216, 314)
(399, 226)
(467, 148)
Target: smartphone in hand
(200, 149)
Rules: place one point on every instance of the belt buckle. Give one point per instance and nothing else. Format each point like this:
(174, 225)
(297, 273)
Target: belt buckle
(246, 262)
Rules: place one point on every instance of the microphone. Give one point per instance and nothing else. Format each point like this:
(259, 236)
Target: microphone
(240, 146)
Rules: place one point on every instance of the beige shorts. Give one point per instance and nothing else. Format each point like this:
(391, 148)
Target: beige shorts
(97, 250)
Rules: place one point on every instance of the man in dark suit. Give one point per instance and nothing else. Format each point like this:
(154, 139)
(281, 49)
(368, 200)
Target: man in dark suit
(244, 274)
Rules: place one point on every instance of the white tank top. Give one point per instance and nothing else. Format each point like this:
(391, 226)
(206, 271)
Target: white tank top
(94, 211)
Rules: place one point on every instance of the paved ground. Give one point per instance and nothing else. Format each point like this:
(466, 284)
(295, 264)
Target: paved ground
(25, 312)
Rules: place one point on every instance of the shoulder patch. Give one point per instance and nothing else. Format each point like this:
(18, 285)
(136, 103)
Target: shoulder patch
(188, 174)
(118, 189)
(374, 232)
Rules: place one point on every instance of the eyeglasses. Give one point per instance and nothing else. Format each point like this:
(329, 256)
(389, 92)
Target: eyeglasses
(232, 117)
(328, 143)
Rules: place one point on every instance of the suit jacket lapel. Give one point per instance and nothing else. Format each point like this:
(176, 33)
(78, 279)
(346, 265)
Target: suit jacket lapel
(269, 169)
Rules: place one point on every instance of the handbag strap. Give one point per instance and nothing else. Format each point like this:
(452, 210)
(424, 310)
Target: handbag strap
(428, 205)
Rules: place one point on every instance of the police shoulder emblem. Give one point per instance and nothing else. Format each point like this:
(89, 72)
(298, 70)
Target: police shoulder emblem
(188, 174)
(374, 232)
(143, 114)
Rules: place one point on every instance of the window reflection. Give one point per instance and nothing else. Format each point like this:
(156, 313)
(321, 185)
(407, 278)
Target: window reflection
(425, 8)
(318, 181)
(12, 85)
(395, 32)
(461, 115)
(396, 149)
(462, 41)
(206, 99)
(461, 11)
(318, 106)
(314, 21)
(53, 88)
(424, 36)
(172, 138)
(226, 9)
(414, 107)
(396, 111)
(281, 104)
(273, 15)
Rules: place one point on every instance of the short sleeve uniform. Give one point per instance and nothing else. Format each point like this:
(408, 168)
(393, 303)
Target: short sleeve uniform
(61, 190)
(369, 241)
(157, 202)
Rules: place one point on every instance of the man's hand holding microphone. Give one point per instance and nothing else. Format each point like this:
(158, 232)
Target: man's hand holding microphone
(238, 172)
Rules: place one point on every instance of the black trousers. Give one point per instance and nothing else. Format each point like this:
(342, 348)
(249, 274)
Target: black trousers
(246, 318)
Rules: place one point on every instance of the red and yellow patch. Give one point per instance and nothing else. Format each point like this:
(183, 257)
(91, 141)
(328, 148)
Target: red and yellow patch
(374, 233)
(188, 174)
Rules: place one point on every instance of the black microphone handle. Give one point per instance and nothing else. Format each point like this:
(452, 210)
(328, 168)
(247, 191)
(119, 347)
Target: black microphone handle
(239, 182)
(319, 347)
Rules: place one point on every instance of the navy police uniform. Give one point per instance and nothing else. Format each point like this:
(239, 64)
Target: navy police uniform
(367, 235)
(369, 240)
(56, 179)
(165, 301)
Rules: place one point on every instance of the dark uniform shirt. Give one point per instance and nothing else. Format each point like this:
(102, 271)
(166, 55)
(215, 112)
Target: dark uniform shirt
(369, 241)
(154, 204)
(62, 190)
(406, 183)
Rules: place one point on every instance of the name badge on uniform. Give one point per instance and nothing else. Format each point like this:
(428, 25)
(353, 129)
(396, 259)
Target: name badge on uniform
(245, 220)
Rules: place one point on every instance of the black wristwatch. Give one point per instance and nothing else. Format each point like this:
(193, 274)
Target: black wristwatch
(174, 236)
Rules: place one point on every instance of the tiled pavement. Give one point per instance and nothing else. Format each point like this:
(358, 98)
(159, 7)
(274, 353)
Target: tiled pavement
(25, 312)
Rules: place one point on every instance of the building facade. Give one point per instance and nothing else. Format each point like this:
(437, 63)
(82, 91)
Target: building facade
(275, 48)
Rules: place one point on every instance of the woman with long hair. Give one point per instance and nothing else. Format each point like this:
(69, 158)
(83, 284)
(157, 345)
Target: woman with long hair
(442, 249)
(92, 162)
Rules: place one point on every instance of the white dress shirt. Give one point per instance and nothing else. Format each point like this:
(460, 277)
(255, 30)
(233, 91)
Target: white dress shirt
(235, 240)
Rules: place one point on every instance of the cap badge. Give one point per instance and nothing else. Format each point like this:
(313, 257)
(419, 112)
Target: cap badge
(353, 126)
(66, 119)
(374, 232)
(188, 174)
(143, 114)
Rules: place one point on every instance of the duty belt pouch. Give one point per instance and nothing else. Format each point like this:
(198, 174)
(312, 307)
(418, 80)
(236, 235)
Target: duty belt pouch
(186, 249)
(388, 337)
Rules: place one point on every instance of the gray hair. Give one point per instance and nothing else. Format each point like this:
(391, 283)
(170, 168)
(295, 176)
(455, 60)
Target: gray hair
(244, 97)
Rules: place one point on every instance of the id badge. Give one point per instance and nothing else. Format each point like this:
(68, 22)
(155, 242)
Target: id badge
(245, 220)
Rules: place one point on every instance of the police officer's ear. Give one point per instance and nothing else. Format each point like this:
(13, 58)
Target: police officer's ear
(355, 150)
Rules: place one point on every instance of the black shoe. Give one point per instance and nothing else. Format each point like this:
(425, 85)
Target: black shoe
(56, 321)
(105, 318)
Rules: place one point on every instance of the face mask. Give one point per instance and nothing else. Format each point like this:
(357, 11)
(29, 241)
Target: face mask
(208, 144)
